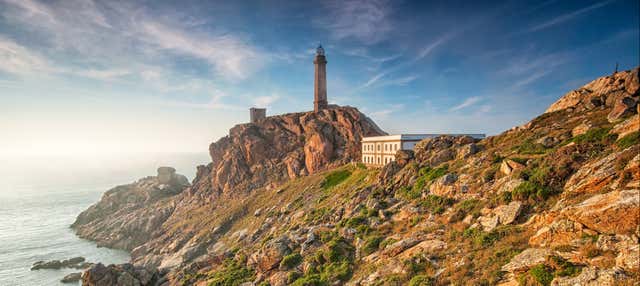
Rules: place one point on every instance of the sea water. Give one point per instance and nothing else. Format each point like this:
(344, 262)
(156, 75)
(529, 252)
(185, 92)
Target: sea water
(41, 197)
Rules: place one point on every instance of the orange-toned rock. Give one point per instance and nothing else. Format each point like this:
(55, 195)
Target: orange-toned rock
(615, 212)
(594, 176)
(559, 232)
(508, 166)
(627, 127)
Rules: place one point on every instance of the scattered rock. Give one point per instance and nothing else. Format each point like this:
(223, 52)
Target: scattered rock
(507, 214)
(526, 259)
(582, 128)
(592, 276)
(270, 254)
(548, 141)
(508, 166)
(72, 278)
(76, 262)
(623, 107)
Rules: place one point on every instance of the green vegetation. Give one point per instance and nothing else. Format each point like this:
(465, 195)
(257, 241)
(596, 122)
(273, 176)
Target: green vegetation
(334, 178)
(629, 140)
(484, 239)
(541, 274)
(530, 190)
(563, 267)
(421, 280)
(464, 208)
(334, 262)
(372, 244)
(595, 135)
(427, 175)
(233, 273)
(436, 204)
(409, 193)
(530, 147)
(291, 260)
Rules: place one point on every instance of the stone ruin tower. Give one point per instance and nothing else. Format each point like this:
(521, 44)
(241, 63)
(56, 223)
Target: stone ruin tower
(256, 114)
(320, 81)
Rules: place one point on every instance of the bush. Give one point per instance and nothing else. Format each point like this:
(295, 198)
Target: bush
(629, 140)
(563, 267)
(232, 273)
(596, 135)
(530, 147)
(421, 280)
(528, 189)
(436, 204)
(334, 178)
(291, 260)
(542, 274)
(372, 244)
(428, 174)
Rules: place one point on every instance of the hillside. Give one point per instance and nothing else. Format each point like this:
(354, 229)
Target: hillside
(555, 201)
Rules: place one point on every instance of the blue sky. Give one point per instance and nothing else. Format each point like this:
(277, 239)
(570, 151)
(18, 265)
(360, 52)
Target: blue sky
(112, 76)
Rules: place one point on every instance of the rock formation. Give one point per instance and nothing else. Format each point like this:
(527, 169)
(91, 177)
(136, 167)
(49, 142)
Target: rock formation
(553, 201)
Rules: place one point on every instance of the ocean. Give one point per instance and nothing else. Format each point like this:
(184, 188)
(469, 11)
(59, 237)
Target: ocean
(41, 196)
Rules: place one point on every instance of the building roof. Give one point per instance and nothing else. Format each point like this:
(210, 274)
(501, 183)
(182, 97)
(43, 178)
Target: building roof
(414, 137)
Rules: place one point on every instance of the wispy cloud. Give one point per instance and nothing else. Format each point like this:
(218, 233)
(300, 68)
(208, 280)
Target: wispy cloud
(568, 16)
(122, 36)
(265, 100)
(19, 60)
(429, 48)
(466, 103)
(363, 20)
(384, 113)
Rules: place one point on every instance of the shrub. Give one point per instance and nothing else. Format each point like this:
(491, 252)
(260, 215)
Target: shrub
(371, 244)
(596, 135)
(232, 273)
(291, 260)
(428, 174)
(628, 140)
(409, 193)
(530, 147)
(541, 274)
(563, 267)
(528, 189)
(334, 178)
(436, 204)
(421, 280)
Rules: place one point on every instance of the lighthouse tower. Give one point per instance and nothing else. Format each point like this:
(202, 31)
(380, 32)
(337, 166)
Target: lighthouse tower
(320, 81)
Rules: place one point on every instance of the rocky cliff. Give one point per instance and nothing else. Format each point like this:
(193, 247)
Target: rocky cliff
(554, 201)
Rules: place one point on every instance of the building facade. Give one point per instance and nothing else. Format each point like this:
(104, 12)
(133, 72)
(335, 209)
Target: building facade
(381, 150)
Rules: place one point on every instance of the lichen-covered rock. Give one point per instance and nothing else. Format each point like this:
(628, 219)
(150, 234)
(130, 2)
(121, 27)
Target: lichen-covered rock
(526, 259)
(592, 276)
(623, 107)
(271, 254)
(615, 212)
(627, 127)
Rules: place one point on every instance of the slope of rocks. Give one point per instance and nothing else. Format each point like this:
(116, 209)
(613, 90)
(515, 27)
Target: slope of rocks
(552, 202)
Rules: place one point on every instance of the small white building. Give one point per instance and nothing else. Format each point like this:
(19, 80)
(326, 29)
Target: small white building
(380, 150)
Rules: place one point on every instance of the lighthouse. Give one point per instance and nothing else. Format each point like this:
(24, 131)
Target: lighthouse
(320, 81)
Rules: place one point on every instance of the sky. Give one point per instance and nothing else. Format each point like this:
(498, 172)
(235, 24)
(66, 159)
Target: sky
(111, 77)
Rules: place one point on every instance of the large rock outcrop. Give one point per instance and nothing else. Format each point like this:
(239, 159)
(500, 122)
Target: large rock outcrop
(127, 215)
(287, 146)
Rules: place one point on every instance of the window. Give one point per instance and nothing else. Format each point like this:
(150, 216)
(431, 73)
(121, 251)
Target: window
(378, 149)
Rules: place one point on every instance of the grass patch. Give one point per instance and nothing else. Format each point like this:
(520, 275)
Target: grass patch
(233, 273)
(372, 244)
(421, 280)
(291, 260)
(628, 140)
(428, 174)
(334, 178)
(530, 147)
(436, 204)
(595, 135)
